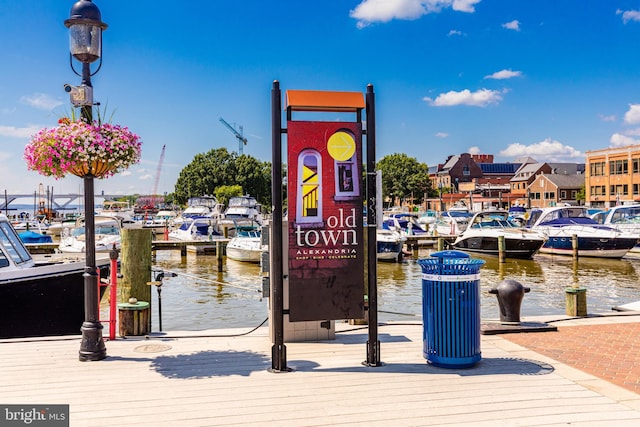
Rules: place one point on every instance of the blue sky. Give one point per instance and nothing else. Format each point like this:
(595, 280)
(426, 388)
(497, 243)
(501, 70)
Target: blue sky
(540, 78)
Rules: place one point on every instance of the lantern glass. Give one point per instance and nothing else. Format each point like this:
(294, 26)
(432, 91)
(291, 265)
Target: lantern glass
(85, 42)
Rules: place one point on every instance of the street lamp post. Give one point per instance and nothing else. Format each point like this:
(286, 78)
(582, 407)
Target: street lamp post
(85, 44)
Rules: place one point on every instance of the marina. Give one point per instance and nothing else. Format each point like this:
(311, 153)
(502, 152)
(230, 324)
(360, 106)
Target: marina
(200, 297)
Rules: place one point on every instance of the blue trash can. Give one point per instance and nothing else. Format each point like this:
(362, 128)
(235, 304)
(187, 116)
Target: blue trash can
(451, 309)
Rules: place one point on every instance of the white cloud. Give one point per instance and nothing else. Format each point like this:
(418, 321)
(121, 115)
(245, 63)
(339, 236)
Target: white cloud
(370, 11)
(479, 98)
(474, 150)
(633, 132)
(455, 33)
(15, 132)
(513, 25)
(504, 74)
(125, 173)
(604, 118)
(632, 116)
(442, 135)
(146, 177)
(629, 15)
(41, 101)
(620, 140)
(548, 150)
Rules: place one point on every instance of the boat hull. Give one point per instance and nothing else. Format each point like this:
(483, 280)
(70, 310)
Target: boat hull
(590, 246)
(514, 248)
(389, 251)
(44, 304)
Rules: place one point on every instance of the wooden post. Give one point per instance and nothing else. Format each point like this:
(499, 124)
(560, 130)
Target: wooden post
(576, 302)
(574, 245)
(440, 244)
(501, 249)
(135, 265)
(219, 254)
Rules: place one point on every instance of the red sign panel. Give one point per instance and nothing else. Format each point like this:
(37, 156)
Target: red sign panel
(325, 215)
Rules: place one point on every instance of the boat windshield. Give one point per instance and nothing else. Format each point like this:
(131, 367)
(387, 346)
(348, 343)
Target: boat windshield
(626, 215)
(12, 246)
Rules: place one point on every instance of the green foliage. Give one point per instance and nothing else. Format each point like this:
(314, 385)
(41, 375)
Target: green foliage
(225, 192)
(219, 167)
(404, 176)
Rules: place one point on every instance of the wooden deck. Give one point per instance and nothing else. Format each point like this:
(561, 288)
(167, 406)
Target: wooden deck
(216, 377)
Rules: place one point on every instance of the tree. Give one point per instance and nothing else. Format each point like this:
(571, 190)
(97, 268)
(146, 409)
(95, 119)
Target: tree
(225, 192)
(219, 167)
(403, 176)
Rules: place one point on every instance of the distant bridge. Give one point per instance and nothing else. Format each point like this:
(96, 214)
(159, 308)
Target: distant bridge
(53, 201)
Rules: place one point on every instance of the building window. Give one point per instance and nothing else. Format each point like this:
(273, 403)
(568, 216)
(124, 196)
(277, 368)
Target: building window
(635, 164)
(636, 189)
(550, 195)
(309, 197)
(597, 169)
(563, 194)
(574, 194)
(618, 167)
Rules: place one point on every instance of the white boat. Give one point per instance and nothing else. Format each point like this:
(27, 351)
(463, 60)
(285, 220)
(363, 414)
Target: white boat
(427, 218)
(452, 222)
(199, 207)
(107, 234)
(624, 218)
(40, 295)
(56, 228)
(164, 219)
(389, 245)
(246, 245)
(487, 227)
(202, 228)
(405, 224)
(561, 223)
(123, 211)
(243, 211)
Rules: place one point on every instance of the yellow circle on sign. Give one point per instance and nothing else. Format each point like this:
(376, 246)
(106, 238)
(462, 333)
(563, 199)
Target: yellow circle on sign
(341, 146)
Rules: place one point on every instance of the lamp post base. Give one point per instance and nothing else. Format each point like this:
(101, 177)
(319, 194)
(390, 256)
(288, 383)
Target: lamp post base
(92, 347)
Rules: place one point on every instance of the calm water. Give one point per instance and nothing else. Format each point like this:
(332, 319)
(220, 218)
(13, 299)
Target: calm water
(201, 298)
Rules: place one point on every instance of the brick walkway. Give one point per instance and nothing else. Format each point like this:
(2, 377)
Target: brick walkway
(610, 352)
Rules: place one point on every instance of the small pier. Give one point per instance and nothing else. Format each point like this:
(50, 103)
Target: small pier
(199, 247)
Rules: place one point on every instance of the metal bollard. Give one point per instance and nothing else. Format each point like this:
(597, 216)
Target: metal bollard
(510, 293)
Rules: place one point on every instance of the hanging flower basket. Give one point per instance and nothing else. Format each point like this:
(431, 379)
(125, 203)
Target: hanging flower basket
(82, 149)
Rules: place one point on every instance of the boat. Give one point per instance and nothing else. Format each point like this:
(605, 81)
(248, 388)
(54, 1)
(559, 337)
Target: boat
(389, 245)
(123, 211)
(199, 228)
(487, 227)
(199, 207)
(246, 245)
(163, 219)
(40, 295)
(107, 234)
(451, 222)
(427, 218)
(33, 237)
(406, 224)
(243, 211)
(561, 223)
(624, 218)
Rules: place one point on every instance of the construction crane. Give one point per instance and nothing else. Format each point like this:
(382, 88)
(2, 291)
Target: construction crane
(241, 138)
(154, 195)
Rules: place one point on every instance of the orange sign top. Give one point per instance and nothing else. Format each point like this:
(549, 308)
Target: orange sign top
(317, 100)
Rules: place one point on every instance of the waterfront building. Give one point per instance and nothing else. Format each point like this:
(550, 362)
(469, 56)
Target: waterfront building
(612, 176)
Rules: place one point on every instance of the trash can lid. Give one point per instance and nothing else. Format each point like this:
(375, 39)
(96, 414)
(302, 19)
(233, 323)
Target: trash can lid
(140, 305)
(450, 254)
